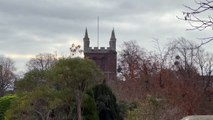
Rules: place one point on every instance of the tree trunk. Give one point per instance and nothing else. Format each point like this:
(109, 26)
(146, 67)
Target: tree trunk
(1, 92)
(78, 100)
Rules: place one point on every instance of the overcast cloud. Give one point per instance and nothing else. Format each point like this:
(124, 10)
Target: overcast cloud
(29, 27)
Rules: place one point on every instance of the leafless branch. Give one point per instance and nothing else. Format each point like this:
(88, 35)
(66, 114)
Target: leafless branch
(198, 17)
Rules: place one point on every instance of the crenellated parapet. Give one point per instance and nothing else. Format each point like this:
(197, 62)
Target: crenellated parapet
(98, 50)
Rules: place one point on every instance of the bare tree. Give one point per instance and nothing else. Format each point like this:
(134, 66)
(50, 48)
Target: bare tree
(42, 61)
(130, 60)
(161, 60)
(75, 51)
(200, 17)
(136, 64)
(7, 76)
(183, 55)
(189, 70)
(205, 63)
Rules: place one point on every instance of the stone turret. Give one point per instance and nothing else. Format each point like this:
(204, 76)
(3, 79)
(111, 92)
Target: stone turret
(112, 42)
(86, 41)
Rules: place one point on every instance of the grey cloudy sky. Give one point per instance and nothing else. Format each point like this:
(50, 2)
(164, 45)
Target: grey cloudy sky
(29, 27)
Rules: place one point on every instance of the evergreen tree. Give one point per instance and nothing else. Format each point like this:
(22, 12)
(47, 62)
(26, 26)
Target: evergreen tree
(106, 103)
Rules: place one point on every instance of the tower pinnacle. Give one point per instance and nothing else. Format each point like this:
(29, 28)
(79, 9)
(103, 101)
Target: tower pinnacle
(112, 42)
(86, 41)
(113, 35)
(86, 34)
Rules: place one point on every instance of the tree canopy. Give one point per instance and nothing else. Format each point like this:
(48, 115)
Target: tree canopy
(76, 75)
(58, 92)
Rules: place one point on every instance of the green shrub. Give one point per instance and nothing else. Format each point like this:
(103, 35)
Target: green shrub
(5, 103)
(90, 111)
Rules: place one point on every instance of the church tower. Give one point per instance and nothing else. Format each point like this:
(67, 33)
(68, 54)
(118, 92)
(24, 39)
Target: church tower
(105, 58)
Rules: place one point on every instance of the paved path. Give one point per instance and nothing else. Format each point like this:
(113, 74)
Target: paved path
(198, 117)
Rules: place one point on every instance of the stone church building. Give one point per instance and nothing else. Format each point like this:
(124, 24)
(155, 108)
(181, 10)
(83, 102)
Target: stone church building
(105, 58)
